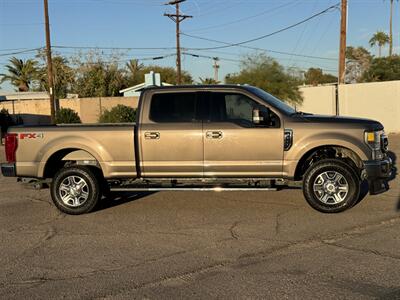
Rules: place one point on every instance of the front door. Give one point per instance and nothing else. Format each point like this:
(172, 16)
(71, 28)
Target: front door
(234, 146)
(171, 136)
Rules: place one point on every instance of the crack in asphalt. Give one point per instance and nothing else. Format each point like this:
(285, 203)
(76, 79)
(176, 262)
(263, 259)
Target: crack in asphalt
(368, 251)
(234, 235)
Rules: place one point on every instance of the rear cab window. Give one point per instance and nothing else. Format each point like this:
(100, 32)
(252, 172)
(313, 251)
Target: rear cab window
(174, 108)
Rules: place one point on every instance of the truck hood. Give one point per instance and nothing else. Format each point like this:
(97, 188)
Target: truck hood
(365, 123)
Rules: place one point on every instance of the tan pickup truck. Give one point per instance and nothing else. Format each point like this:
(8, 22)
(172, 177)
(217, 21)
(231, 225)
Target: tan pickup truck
(221, 137)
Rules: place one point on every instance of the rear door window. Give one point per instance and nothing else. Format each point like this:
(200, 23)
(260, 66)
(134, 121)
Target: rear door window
(174, 108)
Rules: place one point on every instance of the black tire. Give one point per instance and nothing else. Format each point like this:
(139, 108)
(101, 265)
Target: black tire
(314, 191)
(89, 194)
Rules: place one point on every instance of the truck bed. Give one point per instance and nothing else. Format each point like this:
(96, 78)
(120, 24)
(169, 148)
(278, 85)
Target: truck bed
(109, 145)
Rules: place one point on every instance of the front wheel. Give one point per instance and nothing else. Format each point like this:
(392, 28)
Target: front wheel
(75, 190)
(331, 186)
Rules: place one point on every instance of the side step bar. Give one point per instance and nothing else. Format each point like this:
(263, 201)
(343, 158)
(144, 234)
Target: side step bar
(213, 189)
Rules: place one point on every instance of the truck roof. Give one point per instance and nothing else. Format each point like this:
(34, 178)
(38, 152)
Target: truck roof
(198, 86)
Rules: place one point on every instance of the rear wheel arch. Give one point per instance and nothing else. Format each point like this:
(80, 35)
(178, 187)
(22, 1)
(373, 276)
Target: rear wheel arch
(67, 157)
(327, 151)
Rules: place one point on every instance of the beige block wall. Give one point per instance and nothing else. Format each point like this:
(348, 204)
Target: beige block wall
(38, 107)
(91, 108)
(38, 111)
(377, 100)
(318, 100)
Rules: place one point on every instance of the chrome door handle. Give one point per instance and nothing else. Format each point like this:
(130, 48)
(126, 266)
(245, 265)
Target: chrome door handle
(151, 135)
(214, 134)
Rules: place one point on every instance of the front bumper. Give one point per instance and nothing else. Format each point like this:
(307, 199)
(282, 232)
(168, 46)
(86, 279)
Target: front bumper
(8, 170)
(378, 169)
(377, 174)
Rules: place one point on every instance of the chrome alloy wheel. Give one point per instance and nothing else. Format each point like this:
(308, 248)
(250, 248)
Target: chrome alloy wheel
(331, 187)
(74, 191)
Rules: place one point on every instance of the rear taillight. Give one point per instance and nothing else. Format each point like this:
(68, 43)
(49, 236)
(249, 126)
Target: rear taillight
(11, 145)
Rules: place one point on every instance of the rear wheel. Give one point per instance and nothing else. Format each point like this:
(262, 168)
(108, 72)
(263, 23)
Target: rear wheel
(331, 186)
(75, 190)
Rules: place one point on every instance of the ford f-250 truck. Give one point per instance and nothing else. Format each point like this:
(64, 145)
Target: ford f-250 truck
(221, 137)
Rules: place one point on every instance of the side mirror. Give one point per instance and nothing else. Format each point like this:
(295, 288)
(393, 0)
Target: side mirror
(261, 117)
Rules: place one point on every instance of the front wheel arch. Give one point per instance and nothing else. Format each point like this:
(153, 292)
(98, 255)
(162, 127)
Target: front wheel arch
(327, 152)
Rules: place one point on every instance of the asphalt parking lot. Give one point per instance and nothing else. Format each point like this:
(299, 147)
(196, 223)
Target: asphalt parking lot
(199, 245)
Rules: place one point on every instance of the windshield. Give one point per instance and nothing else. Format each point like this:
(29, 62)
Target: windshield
(268, 98)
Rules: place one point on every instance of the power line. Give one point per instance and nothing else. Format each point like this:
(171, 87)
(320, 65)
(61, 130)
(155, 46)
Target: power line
(245, 18)
(20, 52)
(239, 60)
(269, 34)
(254, 48)
(112, 48)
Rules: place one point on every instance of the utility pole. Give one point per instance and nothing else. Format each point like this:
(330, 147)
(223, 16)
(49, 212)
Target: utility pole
(342, 50)
(216, 67)
(177, 18)
(391, 29)
(49, 63)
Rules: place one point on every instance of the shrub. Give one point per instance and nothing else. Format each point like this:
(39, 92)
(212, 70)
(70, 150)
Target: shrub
(118, 114)
(5, 121)
(67, 116)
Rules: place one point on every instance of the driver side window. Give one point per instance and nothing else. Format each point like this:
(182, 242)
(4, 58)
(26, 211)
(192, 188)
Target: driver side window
(240, 109)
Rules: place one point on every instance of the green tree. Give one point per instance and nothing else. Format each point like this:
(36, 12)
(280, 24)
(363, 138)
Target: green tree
(383, 69)
(20, 73)
(266, 73)
(380, 39)
(358, 60)
(118, 114)
(67, 116)
(99, 79)
(315, 76)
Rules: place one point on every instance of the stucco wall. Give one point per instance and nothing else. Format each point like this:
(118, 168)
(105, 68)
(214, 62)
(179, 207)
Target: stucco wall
(318, 100)
(377, 100)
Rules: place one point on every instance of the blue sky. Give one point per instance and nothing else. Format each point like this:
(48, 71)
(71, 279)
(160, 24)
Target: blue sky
(140, 23)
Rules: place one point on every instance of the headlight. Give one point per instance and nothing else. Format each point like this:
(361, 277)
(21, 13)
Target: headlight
(373, 139)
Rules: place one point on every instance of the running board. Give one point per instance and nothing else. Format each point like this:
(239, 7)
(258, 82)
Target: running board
(213, 189)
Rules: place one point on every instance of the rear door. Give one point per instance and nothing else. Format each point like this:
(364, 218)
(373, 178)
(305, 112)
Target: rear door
(233, 145)
(171, 135)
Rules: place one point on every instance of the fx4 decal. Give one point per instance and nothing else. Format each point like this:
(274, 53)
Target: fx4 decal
(30, 135)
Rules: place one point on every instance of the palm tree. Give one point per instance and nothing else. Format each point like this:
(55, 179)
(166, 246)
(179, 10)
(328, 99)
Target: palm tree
(134, 68)
(208, 81)
(379, 38)
(20, 73)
